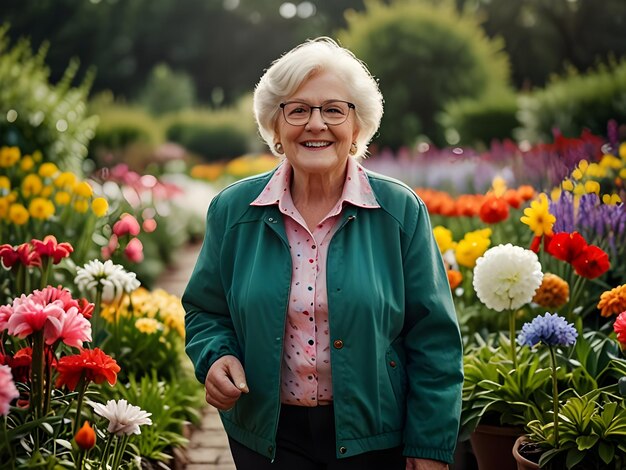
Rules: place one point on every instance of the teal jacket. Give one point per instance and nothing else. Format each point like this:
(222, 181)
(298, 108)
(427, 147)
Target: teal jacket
(396, 353)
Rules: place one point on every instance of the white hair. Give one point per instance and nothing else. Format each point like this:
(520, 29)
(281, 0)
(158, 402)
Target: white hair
(290, 71)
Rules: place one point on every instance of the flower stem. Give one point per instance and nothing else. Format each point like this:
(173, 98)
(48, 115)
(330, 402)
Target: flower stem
(46, 269)
(105, 453)
(512, 338)
(37, 379)
(555, 397)
(82, 387)
(95, 318)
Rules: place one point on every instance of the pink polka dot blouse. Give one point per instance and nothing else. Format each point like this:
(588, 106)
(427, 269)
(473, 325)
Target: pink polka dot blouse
(306, 374)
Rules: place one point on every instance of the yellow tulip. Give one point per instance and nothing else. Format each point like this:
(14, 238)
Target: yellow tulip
(443, 237)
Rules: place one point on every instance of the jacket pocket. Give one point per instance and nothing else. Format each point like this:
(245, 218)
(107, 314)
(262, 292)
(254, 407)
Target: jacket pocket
(397, 375)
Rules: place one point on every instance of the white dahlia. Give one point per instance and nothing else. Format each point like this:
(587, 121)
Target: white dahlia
(506, 277)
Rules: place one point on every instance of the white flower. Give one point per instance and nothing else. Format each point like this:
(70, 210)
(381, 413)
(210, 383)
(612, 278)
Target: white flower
(112, 277)
(506, 277)
(124, 419)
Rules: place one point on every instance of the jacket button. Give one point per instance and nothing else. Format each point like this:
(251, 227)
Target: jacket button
(392, 363)
(338, 344)
(342, 450)
(270, 449)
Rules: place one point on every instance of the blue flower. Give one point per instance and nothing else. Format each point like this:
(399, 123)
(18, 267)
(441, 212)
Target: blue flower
(550, 329)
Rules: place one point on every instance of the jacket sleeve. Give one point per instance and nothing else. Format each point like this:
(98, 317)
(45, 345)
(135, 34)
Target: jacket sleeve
(209, 332)
(433, 348)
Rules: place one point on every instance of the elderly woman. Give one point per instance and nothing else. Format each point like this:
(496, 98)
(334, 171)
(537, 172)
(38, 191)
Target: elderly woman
(319, 314)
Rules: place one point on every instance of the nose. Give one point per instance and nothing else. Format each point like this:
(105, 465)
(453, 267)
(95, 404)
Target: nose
(316, 123)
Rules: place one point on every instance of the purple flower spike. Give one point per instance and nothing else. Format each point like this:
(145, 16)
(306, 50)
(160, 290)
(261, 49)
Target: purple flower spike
(551, 330)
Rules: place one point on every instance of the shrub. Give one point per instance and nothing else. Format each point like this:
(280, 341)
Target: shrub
(575, 102)
(167, 91)
(479, 121)
(424, 55)
(38, 115)
(214, 135)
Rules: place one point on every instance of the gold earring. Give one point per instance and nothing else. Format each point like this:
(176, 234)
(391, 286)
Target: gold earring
(279, 148)
(353, 149)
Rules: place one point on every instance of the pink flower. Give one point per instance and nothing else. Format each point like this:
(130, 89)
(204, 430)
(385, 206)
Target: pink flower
(5, 313)
(126, 225)
(107, 251)
(30, 316)
(51, 294)
(49, 247)
(134, 250)
(620, 328)
(8, 390)
(75, 329)
(149, 225)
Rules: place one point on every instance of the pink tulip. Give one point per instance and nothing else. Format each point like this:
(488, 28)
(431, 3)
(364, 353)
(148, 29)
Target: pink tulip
(8, 391)
(107, 251)
(126, 225)
(149, 225)
(134, 250)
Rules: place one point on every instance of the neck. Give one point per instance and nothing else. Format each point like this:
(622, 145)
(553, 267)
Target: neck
(319, 189)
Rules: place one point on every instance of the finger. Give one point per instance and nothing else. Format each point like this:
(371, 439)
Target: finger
(237, 375)
(221, 387)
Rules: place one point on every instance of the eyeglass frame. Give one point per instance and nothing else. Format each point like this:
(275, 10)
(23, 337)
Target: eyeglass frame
(311, 108)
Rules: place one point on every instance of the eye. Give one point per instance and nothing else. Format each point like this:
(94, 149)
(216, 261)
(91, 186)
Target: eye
(296, 109)
(334, 109)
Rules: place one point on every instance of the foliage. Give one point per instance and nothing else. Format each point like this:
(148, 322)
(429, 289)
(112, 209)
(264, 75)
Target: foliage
(575, 102)
(478, 121)
(424, 56)
(213, 135)
(38, 115)
(167, 91)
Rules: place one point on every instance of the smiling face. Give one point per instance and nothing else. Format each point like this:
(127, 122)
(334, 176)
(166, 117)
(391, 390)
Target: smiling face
(316, 148)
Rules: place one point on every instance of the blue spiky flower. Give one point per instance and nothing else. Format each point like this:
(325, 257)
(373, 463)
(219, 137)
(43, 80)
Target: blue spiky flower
(550, 329)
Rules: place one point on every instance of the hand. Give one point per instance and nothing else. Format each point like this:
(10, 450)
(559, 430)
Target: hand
(225, 382)
(413, 463)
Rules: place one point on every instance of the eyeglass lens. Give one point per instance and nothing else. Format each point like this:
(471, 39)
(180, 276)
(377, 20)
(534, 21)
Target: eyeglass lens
(333, 112)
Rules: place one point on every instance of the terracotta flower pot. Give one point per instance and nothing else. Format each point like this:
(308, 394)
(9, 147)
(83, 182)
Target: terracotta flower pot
(492, 446)
(522, 462)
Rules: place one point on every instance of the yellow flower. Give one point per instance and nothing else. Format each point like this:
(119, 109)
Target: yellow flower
(592, 187)
(31, 186)
(48, 170)
(5, 185)
(9, 156)
(567, 185)
(100, 206)
(148, 325)
(443, 237)
(499, 186)
(47, 191)
(538, 217)
(472, 246)
(65, 180)
(611, 199)
(81, 206)
(83, 189)
(596, 171)
(18, 214)
(27, 163)
(40, 208)
(610, 161)
(4, 207)
(622, 150)
(37, 156)
(62, 198)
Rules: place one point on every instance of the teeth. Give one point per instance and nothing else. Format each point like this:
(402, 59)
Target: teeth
(316, 144)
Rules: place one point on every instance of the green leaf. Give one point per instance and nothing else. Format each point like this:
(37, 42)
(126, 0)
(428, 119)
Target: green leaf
(65, 443)
(606, 452)
(586, 442)
(574, 457)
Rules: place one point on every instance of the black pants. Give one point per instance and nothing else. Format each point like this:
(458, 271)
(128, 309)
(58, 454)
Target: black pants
(306, 441)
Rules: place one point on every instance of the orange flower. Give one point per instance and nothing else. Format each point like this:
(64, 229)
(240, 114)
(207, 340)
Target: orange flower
(85, 437)
(553, 292)
(454, 278)
(493, 210)
(513, 198)
(468, 205)
(613, 302)
(93, 363)
(526, 192)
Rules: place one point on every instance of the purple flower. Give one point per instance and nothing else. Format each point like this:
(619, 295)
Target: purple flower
(550, 329)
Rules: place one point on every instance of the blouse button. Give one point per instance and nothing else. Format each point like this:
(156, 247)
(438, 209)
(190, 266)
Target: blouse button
(392, 363)
(338, 344)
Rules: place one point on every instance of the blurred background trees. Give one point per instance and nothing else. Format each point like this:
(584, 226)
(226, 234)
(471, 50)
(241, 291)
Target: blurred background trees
(452, 71)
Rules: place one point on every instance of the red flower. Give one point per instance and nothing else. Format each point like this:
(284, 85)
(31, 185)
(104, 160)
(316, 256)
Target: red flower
(85, 308)
(566, 246)
(620, 328)
(85, 437)
(592, 262)
(94, 363)
(20, 364)
(49, 247)
(8, 256)
(493, 210)
(513, 198)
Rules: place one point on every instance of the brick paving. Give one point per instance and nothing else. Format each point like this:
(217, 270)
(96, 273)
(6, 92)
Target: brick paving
(208, 447)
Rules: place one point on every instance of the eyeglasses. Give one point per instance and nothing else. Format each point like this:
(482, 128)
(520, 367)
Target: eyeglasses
(333, 112)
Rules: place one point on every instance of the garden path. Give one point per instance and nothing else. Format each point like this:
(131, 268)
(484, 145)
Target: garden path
(208, 447)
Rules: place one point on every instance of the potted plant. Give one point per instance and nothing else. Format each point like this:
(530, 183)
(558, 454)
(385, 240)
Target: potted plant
(583, 430)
